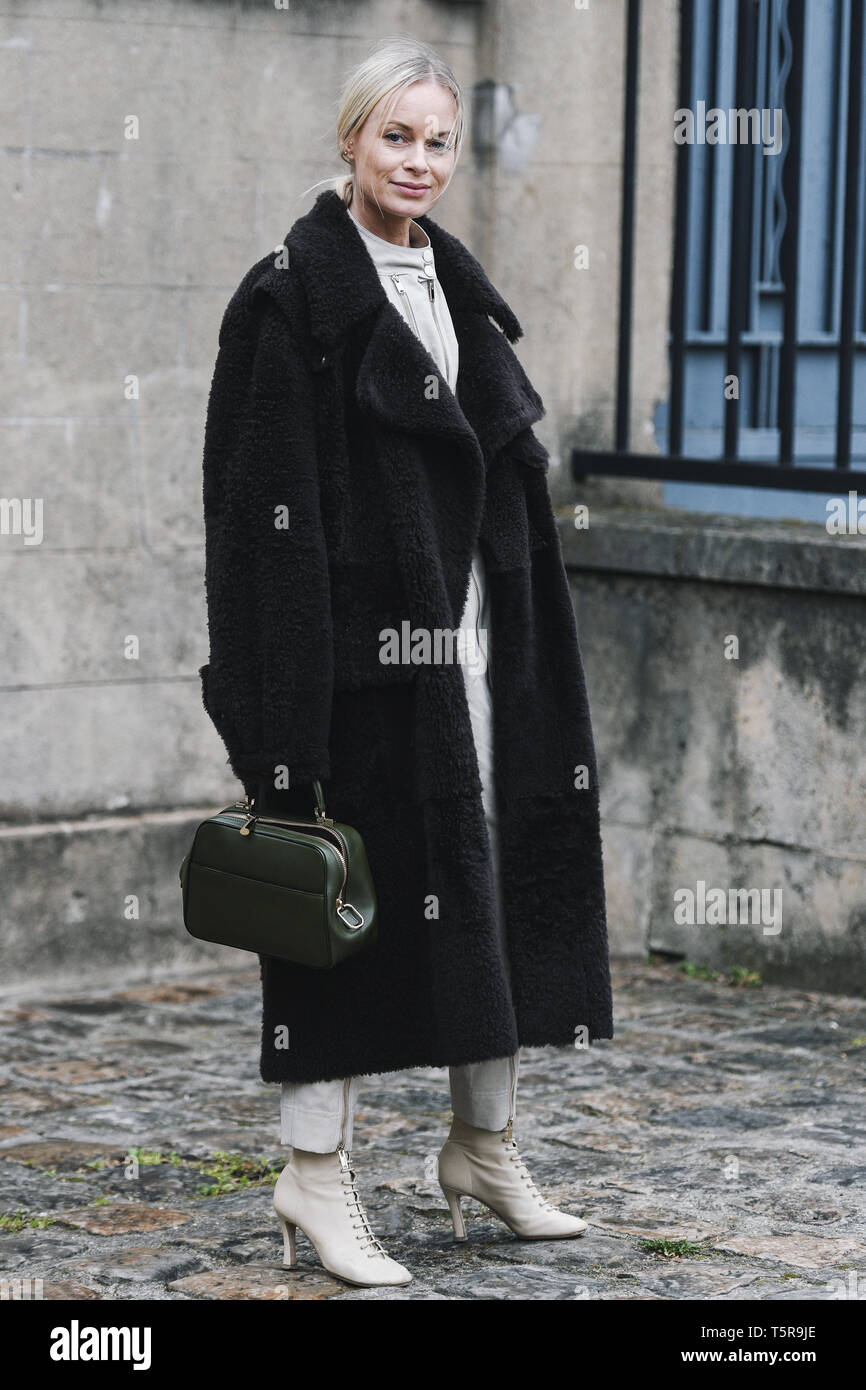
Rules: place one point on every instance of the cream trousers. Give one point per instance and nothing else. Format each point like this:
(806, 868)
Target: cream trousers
(318, 1116)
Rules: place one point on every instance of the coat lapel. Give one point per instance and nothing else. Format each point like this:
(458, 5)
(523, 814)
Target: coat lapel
(395, 384)
(494, 400)
(401, 391)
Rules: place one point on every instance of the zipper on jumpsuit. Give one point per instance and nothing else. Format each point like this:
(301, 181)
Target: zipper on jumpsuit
(509, 1128)
(341, 1147)
(432, 293)
(402, 290)
(478, 644)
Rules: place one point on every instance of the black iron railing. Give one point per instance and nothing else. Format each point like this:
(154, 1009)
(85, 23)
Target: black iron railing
(779, 462)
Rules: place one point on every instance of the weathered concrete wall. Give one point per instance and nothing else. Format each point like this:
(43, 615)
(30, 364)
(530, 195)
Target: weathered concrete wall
(740, 771)
(120, 256)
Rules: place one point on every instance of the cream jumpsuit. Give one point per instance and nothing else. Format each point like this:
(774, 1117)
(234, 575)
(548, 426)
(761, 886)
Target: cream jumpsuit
(319, 1115)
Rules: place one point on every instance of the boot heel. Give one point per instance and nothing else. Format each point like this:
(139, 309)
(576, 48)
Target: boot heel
(453, 1200)
(288, 1242)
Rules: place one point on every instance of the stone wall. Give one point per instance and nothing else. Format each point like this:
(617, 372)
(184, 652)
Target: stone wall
(727, 674)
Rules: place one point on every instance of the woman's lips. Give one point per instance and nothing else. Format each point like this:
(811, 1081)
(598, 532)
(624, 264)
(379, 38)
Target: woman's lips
(413, 192)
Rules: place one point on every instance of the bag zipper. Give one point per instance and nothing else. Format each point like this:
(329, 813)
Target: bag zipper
(250, 817)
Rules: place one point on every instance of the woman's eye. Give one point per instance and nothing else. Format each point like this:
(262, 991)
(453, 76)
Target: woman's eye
(438, 145)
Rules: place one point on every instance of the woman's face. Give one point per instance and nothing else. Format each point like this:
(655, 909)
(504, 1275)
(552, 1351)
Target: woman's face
(401, 169)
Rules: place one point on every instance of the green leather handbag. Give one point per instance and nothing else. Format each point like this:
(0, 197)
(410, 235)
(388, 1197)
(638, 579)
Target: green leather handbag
(299, 890)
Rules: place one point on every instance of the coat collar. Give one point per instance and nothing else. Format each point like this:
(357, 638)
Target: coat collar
(343, 285)
(494, 401)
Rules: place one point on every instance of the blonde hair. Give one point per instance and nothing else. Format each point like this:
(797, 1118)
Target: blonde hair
(393, 64)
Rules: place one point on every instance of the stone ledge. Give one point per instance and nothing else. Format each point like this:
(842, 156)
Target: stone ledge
(68, 897)
(676, 544)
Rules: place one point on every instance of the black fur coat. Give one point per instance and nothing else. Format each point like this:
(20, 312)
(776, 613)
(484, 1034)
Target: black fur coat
(345, 485)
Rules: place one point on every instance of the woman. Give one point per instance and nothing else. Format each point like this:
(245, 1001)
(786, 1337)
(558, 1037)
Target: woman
(366, 388)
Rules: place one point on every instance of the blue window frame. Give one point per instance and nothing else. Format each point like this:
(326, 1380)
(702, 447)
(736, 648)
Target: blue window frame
(824, 128)
(768, 283)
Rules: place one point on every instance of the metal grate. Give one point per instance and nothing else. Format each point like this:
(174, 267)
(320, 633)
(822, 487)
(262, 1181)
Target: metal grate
(768, 286)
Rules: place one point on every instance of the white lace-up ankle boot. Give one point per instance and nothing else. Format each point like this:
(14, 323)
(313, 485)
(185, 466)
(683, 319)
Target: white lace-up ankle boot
(317, 1192)
(485, 1164)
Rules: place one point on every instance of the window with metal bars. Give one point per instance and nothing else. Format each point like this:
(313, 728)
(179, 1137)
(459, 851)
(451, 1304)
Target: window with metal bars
(767, 407)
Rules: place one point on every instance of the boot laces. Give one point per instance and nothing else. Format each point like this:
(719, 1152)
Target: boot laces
(364, 1231)
(514, 1156)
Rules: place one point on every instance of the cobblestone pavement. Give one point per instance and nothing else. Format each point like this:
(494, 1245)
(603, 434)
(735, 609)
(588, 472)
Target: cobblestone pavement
(725, 1116)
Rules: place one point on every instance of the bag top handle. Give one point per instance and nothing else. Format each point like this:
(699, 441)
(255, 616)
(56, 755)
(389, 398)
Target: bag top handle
(318, 807)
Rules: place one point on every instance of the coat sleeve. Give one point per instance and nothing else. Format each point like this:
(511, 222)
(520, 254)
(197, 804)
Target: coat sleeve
(268, 683)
